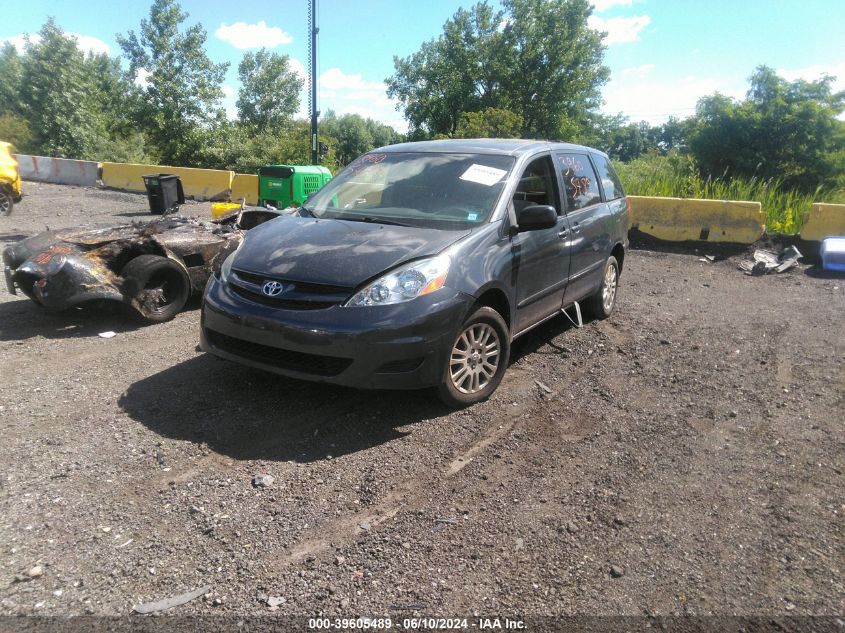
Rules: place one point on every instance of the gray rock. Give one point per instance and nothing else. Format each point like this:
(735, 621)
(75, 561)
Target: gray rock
(262, 481)
(616, 572)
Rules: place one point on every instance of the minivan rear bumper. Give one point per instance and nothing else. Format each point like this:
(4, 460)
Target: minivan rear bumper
(403, 346)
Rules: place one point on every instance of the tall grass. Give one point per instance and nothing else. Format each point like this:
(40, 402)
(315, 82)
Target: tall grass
(676, 176)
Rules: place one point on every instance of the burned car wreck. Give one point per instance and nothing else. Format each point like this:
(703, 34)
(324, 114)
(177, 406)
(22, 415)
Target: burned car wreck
(154, 267)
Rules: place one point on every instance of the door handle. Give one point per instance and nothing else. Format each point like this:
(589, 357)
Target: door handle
(575, 227)
(563, 233)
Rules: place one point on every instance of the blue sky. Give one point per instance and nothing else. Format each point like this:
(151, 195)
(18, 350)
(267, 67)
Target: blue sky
(663, 54)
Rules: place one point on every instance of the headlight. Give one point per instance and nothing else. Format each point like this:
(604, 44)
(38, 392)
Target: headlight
(226, 268)
(405, 283)
(55, 265)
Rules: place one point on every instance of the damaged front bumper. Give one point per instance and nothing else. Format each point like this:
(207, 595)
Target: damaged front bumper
(61, 280)
(10, 281)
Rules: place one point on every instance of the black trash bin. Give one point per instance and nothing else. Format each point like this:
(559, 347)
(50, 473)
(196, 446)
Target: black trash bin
(164, 192)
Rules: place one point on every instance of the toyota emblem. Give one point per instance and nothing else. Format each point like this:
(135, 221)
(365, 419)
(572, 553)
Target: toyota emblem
(272, 288)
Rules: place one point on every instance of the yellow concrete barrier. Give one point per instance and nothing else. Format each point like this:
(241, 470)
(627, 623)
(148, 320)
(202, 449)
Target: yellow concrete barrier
(679, 219)
(245, 186)
(206, 184)
(822, 221)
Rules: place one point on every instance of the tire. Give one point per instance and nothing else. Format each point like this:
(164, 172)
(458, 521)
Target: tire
(156, 287)
(7, 202)
(600, 304)
(472, 374)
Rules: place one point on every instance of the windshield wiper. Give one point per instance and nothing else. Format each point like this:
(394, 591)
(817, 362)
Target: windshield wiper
(372, 220)
(307, 213)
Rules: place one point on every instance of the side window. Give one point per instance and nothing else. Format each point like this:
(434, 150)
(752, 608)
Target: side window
(579, 181)
(610, 183)
(536, 186)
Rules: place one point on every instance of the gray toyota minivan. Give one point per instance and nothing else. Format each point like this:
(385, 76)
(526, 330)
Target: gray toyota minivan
(420, 263)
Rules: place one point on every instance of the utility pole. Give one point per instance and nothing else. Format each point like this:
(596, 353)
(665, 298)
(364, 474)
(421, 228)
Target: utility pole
(312, 24)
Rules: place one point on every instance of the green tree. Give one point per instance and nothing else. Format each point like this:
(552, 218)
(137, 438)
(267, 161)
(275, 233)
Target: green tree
(459, 72)
(538, 59)
(783, 130)
(54, 87)
(182, 94)
(382, 134)
(11, 74)
(15, 130)
(351, 133)
(489, 123)
(555, 71)
(269, 95)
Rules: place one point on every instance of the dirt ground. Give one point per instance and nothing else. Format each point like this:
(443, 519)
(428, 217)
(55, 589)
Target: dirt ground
(683, 457)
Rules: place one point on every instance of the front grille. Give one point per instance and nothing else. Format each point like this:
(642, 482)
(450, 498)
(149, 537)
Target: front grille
(277, 357)
(299, 286)
(284, 304)
(298, 295)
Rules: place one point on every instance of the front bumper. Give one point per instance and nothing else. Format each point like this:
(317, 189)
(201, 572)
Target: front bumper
(403, 346)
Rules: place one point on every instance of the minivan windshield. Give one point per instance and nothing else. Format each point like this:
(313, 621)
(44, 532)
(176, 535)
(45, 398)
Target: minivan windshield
(422, 189)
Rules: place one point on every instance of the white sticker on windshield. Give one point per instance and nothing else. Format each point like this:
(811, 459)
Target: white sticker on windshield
(483, 175)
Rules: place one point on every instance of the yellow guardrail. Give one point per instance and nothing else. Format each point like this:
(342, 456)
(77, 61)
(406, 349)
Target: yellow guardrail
(822, 221)
(245, 186)
(207, 184)
(681, 219)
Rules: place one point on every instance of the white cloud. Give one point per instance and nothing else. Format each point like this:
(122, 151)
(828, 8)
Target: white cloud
(655, 100)
(142, 77)
(336, 79)
(91, 44)
(86, 43)
(620, 30)
(353, 94)
(19, 41)
(242, 35)
(299, 68)
(638, 71)
(814, 73)
(227, 90)
(604, 5)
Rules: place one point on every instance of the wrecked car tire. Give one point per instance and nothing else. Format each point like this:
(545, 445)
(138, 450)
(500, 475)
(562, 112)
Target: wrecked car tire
(600, 305)
(477, 359)
(156, 287)
(7, 202)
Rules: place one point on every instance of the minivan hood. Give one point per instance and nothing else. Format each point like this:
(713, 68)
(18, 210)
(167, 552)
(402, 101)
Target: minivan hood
(335, 252)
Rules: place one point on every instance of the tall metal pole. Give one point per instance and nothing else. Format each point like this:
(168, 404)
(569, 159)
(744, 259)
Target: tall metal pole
(315, 156)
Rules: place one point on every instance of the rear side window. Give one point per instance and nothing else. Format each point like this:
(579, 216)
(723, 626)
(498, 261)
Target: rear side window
(579, 180)
(610, 183)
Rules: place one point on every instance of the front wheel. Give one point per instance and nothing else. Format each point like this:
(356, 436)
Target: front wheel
(7, 202)
(601, 304)
(477, 359)
(156, 287)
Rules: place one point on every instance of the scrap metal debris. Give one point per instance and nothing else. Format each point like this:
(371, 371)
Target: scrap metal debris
(766, 261)
(169, 603)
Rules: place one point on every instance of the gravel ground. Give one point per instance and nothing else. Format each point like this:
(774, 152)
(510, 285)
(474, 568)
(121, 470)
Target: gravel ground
(683, 457)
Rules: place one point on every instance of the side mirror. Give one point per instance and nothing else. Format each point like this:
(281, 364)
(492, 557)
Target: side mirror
(537, 217)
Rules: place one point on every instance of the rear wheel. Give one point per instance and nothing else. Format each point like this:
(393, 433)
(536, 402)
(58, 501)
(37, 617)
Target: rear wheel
(477, 359)
(156, 286)
(7, 202)
(601, 304)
